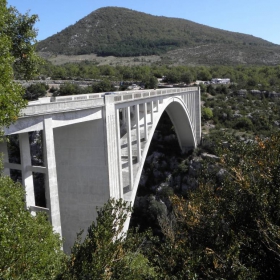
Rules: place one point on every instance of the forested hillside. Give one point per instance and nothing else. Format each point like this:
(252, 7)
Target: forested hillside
(121, 32)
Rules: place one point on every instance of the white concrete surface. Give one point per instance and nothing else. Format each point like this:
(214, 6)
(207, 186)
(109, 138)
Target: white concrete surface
(26, 173)
(52, 196)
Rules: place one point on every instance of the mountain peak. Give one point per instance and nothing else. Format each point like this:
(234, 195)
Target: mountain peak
(123, 32)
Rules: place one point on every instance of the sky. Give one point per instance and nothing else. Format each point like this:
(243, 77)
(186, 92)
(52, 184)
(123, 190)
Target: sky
(260, 18)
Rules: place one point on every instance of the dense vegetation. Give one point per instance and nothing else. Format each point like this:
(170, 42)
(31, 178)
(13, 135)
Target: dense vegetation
(265, 77)
(89, 78)
(17, 53)
(228, 226)
(123, 32)
(28, 247)
(93, 78)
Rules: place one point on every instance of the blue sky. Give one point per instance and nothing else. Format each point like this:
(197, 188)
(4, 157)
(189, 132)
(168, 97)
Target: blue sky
(260, 18)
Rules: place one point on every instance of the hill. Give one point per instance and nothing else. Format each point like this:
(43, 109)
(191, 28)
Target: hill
(121, 32)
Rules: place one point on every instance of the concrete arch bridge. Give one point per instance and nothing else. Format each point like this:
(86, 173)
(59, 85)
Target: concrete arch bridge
(95, 147)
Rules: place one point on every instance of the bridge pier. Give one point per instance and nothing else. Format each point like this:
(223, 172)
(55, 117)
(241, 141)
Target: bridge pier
(129, 149)
(138, 135)
(145, 121)
(26, 173)
(118, 128)
(152, 112)
(52, 184)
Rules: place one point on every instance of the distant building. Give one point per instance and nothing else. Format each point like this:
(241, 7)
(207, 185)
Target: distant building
(133, 87)
(220, 81)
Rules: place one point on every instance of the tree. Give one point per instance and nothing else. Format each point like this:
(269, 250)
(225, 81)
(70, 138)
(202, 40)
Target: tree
(34, 91)
(207, 113)
(229, 227)
(69, 89)
(203, 74)
(20, 28)
(151, 82)
(173, 76)
(28, 247)
(103, 86)
(107, 252)
(243, 123)
(17, 56)
(211, 89)
(187, 77)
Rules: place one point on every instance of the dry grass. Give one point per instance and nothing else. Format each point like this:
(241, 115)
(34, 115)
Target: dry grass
(109, 60)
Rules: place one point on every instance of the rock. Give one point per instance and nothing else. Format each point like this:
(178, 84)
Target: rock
(209, 156)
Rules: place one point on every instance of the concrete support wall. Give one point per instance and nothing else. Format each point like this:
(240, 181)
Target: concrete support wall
(81, 159)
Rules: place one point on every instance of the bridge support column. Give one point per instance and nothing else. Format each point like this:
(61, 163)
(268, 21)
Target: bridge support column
(157, 105)
(192, 111)
(145, 121)
(26, 173)
(152, 112)
(129, 149)
(138, 135)
(112, 147)
(119, 152)
(52, 186)
(198, 117)
(124, 116)
(5, 155)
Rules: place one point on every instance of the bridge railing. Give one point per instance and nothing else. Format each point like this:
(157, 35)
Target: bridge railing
(77, 97)
(41, 108)
(129, 95)
(71, 102)
(119, 95)
(66, 98)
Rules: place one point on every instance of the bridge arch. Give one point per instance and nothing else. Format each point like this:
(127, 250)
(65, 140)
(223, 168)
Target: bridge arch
(179, 115)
